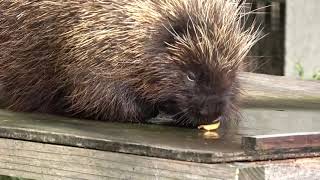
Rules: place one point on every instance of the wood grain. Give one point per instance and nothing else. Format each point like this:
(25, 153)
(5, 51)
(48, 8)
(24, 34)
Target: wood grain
(260, 90)
(291, 169)
(154, 140)
(54, 162)
(45, 161)
(309, 141)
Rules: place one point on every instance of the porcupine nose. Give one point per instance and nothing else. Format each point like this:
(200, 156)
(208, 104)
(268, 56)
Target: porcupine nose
(211, 108)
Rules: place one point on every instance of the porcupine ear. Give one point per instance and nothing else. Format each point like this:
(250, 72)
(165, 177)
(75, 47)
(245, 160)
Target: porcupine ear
(166, 37)
(172, 33)
(175, 28)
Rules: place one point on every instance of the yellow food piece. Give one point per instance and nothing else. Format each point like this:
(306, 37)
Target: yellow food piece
(210, 127)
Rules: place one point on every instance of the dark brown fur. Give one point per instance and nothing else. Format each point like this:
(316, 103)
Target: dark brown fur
(123, 60)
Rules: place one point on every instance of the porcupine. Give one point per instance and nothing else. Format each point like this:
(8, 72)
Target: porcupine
(124, 60)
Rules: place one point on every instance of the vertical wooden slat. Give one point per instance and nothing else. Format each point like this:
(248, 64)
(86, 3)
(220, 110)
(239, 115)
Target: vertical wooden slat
(268, 54)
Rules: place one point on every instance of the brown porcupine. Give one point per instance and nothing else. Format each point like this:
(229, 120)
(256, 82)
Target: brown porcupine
(124, 60)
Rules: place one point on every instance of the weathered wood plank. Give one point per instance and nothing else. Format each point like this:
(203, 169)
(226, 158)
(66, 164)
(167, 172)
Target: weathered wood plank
(292, 169)
(45, 161)
(160, 141)
(260, 90)
(309, 141)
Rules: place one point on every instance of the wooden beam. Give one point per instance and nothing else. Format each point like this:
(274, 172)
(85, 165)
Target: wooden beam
(309, 141)
(260, 90)
(293, 169)
(167, 142)
(46, 161)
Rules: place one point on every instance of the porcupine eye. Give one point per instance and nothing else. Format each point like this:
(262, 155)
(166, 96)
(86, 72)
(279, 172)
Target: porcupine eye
(191, 77)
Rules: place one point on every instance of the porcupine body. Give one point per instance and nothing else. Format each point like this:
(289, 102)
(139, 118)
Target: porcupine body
(123, 60)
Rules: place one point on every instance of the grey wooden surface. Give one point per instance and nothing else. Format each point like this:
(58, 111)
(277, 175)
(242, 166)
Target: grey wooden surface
(291, 169)
(260, 90)
(45, 161)
(164, 141)
(276, 142)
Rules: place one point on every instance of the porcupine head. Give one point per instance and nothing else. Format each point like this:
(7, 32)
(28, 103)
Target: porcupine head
(200, 47)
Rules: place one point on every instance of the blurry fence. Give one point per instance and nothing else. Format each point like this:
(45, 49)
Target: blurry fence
(268, 54)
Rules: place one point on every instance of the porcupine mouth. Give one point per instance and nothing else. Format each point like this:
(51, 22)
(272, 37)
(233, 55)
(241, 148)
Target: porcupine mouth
(189, 119)
(194, 121)
(208, 121)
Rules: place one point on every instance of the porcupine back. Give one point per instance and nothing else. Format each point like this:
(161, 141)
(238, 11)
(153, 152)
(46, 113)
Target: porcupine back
(116, 59)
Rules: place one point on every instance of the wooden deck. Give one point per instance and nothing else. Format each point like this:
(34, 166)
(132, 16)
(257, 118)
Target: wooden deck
(279, 92)
(39, 146)
(50, 147)
(45, 161)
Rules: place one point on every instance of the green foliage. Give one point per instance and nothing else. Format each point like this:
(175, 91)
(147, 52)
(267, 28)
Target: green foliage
(2, 177)
(300, 71)
(316, 75)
